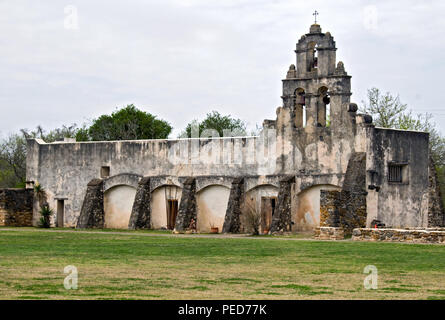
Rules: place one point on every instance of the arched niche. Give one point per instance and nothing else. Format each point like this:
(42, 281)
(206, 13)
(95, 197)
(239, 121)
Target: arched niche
(129, 179)
(211, 206)
(263, 200)
(307, 215)
(165, 200)
(312, 56)
(118, 203)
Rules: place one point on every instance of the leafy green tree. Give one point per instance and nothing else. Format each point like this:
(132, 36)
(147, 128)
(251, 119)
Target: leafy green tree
(385, 108)
(13, 152)
(388, 112)
(8, 179)
(215, 121)
(128, 123)
(13, 161)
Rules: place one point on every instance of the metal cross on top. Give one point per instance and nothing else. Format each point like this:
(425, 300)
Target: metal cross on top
(315, 14)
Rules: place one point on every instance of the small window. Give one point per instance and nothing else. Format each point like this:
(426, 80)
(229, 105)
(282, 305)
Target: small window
(104, 172)
(397, 173)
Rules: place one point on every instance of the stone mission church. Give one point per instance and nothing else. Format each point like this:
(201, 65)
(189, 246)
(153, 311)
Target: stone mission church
(327, 166)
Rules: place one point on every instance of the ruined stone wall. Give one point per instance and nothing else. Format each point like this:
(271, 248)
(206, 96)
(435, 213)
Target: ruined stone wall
(187, 214)
(347, 209)
(232, 220)
(282, 219)
(400, 235)
(329, 233)
(141, 212)
(64, 169)
(16, 207)
(403, 204)
(329, 215)
(92, 214)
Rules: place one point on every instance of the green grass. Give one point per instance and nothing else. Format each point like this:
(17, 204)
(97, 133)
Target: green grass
(137, 266)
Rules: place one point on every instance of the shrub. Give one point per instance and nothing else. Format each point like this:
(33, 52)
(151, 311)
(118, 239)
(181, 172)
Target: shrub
(45, 213)
(252, 218)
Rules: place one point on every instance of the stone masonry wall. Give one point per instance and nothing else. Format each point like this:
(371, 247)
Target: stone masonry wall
(92, 214)
(329, 233)
(328, 208)
(282, 219)
(187, 207)
(347, 209)
(16, 207)
(400, 235)
(141, 213)
(232, 223)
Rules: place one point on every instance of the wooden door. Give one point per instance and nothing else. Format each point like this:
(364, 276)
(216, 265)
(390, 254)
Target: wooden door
(172, 212)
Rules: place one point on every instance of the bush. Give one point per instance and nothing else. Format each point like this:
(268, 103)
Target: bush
(252, 218)
(45, 213)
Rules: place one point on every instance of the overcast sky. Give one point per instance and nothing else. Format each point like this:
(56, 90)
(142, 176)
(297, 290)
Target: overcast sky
(179, 59)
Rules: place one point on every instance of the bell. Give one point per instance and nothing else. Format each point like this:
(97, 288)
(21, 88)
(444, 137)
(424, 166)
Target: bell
(326, 99)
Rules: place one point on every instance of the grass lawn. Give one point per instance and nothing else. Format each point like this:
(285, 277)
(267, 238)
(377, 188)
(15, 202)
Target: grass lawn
(137, 266)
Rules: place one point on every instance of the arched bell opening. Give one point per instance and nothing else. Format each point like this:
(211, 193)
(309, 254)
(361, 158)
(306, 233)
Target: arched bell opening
(312, 56)
(300, 108)
(323, 108)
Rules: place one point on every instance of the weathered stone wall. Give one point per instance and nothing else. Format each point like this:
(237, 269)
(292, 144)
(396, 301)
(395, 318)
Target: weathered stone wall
(329, 215)
(92, 214)
(397, 204)
(282, 219)
(347, 209)
(187, 207)
(329, 233)
(400, 235)
(64, 169)
(232, 222)
(352, 205)
(141, 213)
(16, 207)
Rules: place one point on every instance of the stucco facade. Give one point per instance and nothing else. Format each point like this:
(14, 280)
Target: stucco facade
(306, 149)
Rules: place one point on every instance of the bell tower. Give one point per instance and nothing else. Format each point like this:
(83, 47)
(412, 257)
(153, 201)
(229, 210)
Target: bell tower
(317, 90)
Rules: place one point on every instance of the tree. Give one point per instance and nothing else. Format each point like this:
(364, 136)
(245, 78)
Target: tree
(7, 177)
(13, 161)
(128, 123)
(13, 152)
(215, 121)
(384, 108)
(388, 112)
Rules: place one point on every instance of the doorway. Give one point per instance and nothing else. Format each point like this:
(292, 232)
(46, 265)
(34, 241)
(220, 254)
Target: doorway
(60, 213)
(172, 213)
(268, 205)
